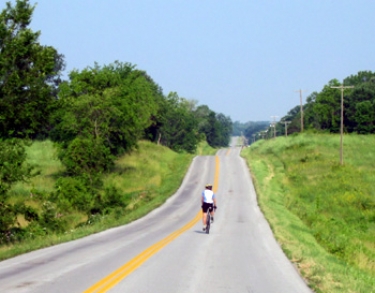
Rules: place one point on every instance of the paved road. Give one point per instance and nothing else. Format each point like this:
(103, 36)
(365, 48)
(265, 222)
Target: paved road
(166, 251)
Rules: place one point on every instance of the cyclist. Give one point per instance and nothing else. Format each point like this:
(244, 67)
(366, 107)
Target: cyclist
(208, 204)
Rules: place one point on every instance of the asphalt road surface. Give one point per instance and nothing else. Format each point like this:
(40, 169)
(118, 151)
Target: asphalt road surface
(166, 251)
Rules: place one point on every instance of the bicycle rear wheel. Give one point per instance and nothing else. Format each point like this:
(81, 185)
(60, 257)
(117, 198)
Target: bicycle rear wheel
(208, 222)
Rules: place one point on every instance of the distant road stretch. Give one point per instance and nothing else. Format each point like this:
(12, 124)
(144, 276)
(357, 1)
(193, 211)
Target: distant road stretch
(166, 251)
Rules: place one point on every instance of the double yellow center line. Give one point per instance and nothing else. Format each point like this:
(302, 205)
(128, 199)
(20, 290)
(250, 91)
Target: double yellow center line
(115, 277)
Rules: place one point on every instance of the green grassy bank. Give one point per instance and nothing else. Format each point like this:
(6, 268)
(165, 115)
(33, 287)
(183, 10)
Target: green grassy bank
(321, 212)
(148, 176)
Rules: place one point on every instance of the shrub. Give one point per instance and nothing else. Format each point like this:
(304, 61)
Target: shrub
(86, 157)
(51, 219)
(72, 193)
(12, 169)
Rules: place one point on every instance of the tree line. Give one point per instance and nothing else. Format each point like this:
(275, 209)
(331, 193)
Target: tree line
(96, 115)
(322, 111)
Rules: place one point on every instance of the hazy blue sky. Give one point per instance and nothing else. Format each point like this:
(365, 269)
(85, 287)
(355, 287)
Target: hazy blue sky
(244, 58)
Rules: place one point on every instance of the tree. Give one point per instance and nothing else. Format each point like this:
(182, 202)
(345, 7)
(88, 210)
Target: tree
(365, 117)
(12, 169)
(29, 74)
(201, 114)
(238, 128)
(326, 109)
(225, 129)
(101, 113)
(217, 128)
(322, 110)
(113, 103)
(311, 120)
(178, 126)
(359, 108)
(359, 78)
(255, 127)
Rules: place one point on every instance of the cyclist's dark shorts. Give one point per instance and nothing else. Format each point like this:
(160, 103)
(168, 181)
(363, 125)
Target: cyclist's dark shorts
(207, 206)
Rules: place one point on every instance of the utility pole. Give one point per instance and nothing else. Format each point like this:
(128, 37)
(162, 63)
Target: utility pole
(300, 99)
(286, 128)
(273, 124)
(342, 87)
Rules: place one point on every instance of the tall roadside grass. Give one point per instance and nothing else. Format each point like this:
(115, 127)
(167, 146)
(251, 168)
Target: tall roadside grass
(322, 213)
(47, 167)
(204, 149)
(148, 176)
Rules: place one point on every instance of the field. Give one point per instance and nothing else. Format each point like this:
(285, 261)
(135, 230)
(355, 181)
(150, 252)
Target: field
(322, 213)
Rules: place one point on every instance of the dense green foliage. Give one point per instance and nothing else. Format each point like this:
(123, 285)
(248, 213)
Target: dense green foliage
(110, 103)
(29, 75)
(174, 124)
(335, 202)
(101, 113)
(322, 110)
(12, 169)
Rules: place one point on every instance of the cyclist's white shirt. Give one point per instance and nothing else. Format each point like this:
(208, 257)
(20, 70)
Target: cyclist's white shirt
(208, 196)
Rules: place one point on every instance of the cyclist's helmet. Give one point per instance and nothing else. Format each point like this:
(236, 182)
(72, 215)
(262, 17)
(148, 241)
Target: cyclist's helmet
(208, 186)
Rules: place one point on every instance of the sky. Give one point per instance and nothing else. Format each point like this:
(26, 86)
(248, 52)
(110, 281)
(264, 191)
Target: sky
(242, 58)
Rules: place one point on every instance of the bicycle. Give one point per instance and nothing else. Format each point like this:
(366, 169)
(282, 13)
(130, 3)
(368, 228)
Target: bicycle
(208, 219)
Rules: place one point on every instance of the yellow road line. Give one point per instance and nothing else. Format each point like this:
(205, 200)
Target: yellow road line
(228, 151)
(115, 277)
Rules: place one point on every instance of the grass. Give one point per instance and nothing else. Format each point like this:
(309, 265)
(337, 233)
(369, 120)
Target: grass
(204, 148)
(322, 213)
(149, 175)
(42, 155)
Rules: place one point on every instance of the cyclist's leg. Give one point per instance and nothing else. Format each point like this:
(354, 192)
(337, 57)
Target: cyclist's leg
(212, 212)
(204, 218)
(208, 222)
(204, 215)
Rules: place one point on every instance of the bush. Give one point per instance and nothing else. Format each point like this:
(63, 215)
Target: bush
(87, 157)
(12, 169)
(34, 230)
(51, 219)
(11, 236)
(72, 193)
(111, 199)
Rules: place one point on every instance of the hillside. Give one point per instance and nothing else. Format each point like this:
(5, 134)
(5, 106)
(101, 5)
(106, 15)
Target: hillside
(321, 212)
(142, 180)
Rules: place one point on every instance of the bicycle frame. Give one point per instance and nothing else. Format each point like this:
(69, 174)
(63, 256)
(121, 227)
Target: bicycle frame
(208, 219)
